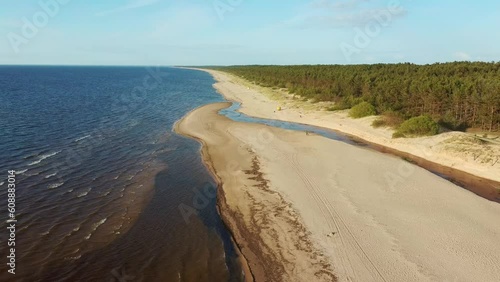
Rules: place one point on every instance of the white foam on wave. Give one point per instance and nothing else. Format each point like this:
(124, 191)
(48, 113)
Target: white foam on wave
(95, 226)
(2, 183)
(73, 258)
(55, 185)
(48, 231)
(35, 162)
(43, 157)
(83, 194)
(50, 175)
(81, 138)
(118, 227)
(99, 223)
(21, 171)
(70, 233)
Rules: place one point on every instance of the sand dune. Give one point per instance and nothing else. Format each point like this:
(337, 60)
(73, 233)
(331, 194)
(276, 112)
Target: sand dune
(305, 208)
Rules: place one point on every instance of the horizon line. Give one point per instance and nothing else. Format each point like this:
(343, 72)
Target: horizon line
(198, 66)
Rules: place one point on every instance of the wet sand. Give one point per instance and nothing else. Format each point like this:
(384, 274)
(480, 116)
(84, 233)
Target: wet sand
(305, 208)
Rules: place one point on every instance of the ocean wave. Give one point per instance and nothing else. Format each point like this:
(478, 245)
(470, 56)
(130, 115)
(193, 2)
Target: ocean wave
(73, 258)
(2, 183)
(118, 227)
(69, 191)
(73, 231)
(95, 226)
(50, 175)
(99, 223)
(35, 162)
(43, 157)
(30, 156)
(48, 231)
(55, 185)
(81, 138)
(83, 194)
(21, 171)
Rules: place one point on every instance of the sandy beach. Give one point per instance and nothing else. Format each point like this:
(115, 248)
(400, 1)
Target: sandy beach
(306, 208)
(266, 228)
(452, 149)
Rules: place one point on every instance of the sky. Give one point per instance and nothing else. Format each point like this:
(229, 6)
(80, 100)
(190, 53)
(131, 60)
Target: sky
(235, 32)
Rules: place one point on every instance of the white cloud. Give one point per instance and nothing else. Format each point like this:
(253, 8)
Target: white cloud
(132, 4)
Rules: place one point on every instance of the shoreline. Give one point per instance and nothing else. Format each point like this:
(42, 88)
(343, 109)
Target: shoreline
(236, 167)
(434, 153)
(221, 204)
(297, 214)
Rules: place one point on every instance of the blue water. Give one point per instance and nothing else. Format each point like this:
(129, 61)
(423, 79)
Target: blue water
(102, 180)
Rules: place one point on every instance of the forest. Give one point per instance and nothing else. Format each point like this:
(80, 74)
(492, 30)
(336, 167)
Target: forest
(458, 95)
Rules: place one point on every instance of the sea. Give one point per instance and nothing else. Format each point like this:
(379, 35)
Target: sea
(104, 189)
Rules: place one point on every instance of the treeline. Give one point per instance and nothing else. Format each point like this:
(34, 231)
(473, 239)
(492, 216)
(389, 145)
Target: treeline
(459, 95)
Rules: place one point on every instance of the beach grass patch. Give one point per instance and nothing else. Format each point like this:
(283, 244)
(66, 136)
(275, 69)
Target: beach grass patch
(417, 126)
(362, 109)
